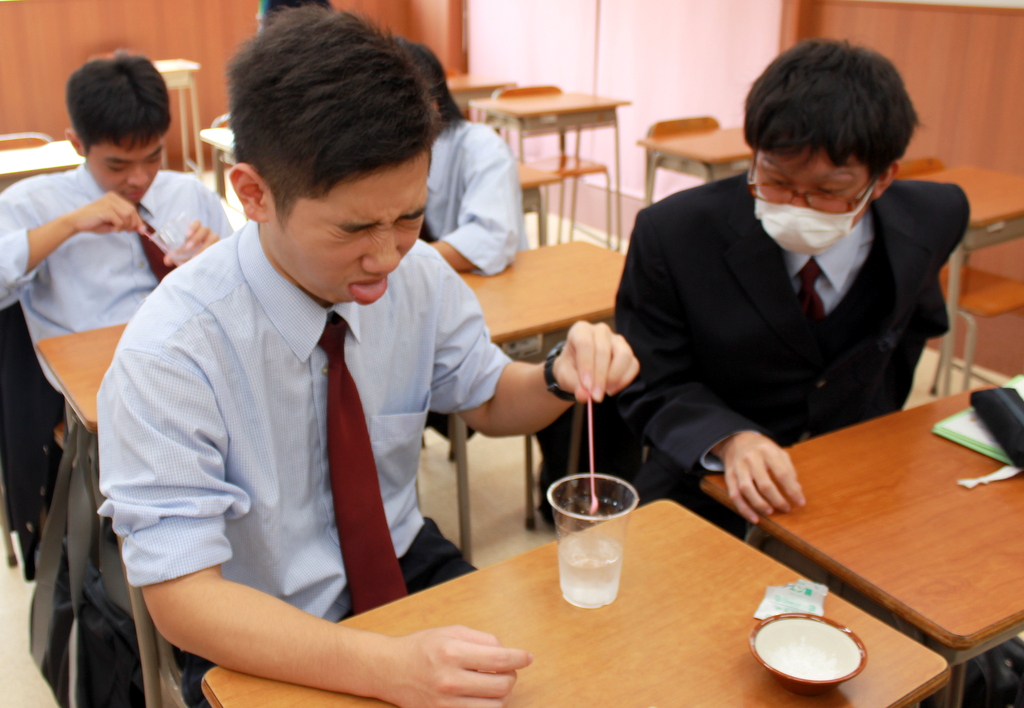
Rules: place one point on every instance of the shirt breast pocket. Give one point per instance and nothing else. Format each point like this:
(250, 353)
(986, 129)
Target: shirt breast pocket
(396, 447)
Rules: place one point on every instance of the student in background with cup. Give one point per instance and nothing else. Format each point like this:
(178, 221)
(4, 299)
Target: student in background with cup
(70, 244)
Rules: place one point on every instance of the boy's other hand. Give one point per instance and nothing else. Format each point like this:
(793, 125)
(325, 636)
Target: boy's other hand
(108, 214)
(453, 666)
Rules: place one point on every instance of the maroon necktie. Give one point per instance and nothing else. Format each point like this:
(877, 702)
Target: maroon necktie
(155, 257)
(810, 301)
(374, 577)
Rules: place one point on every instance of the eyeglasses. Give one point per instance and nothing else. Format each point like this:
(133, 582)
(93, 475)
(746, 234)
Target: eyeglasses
(819, 201)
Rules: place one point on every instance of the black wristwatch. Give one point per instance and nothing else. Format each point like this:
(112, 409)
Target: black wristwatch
(549, 374)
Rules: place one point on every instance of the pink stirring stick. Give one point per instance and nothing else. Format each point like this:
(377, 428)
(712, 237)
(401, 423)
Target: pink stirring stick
(590, 431)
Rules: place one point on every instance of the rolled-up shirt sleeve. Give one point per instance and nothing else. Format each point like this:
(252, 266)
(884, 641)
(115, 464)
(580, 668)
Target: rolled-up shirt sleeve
(490, 218)
(163, 444)
(14, 227)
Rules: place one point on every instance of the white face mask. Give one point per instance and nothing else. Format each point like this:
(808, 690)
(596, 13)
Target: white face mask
(805, 230)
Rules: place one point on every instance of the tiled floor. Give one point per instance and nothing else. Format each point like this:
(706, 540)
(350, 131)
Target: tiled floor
(497, 507)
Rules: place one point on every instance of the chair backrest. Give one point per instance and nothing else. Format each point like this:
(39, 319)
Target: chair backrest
(665, 128)
(920, 166)
(525, 91)
(16, 141)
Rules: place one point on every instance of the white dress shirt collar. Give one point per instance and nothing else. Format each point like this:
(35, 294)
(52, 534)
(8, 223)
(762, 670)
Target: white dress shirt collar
(295, 315)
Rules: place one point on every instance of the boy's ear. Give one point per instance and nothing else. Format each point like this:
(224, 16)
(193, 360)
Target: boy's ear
(253, 192)
(75, 141)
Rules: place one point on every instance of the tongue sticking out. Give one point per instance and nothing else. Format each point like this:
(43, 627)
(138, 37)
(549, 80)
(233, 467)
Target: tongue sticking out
(367, 292)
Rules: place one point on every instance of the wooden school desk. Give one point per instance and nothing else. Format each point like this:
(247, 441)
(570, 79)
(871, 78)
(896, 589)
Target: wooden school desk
(27, 162)
(555, 112)
(467, 87)
(529, 307)
(885, 515)
(997, 216)
(78, 362)
(675, 636)
(710, 155)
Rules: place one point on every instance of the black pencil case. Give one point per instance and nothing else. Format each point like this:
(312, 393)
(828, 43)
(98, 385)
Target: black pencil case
(1002, 412)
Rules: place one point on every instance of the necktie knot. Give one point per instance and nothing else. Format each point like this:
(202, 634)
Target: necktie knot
(810, 301)
(332, 341)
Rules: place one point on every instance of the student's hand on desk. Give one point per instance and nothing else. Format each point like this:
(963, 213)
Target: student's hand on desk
(108, 214)
(759, 475)
(453, 666)
(198, 239)
(595, 362)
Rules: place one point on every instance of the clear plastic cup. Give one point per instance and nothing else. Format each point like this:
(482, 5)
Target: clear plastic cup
(170, 238)
(590, 547)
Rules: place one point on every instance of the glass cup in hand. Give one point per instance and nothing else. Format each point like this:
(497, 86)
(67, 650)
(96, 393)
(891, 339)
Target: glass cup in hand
(171, 237)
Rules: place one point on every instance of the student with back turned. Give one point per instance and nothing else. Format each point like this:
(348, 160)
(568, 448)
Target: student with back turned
(791, 300)
(474, 204)
(260, 424)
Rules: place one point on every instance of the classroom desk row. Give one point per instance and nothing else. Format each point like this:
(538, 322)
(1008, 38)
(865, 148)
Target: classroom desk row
(884, 516)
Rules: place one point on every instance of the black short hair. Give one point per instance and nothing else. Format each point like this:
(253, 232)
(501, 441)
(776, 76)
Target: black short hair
(828, 95)
(320, 97)
(433, 74)
(121, 100)
(272, 7)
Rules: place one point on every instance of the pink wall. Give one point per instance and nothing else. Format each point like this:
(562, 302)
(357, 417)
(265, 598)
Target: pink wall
(670, 58)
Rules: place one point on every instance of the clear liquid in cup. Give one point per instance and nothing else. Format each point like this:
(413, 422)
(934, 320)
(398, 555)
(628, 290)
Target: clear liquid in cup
(590, 565)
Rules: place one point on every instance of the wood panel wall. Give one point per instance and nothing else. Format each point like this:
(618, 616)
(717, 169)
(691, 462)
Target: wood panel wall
(43, 41)
(964, 69)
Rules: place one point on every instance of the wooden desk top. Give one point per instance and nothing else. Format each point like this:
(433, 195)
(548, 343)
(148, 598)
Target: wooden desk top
(711, 147)
(994, 196)
(475, 82)
(884, 513)
(531, 177)
(549, 288)
(78, 362)
(25, 162)
(651, 647)
(530, 106)
(220, 138)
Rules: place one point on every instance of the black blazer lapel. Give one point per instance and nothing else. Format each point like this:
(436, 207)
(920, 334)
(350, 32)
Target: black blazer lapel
(909, 256)
(756, 262)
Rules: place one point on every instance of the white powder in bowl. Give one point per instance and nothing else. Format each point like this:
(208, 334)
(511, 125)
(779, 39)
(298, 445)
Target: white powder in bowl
(803, 661)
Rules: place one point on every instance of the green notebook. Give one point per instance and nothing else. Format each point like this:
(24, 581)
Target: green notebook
(965, 428)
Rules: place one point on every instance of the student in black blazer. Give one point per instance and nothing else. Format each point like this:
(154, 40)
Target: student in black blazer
(762, 320)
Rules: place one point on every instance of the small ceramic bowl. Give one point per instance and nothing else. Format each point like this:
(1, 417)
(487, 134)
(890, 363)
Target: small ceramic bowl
(807, 654)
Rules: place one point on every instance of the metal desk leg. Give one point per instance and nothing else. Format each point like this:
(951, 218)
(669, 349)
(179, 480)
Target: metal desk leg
(652, 166)
(194, 100)
(530, 520)
(542, 217)
(218, 174)
(945, 370)
(457, 431)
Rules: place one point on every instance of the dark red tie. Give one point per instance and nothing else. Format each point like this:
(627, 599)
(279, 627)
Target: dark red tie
(155, 257)
(374, 577)
(810, 301)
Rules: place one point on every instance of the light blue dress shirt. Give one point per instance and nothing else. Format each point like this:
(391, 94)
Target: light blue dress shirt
(839, 265)
(212, 417)
(474, 201)
(91, 280)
